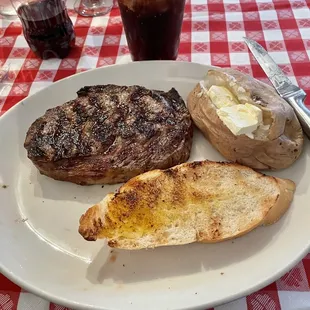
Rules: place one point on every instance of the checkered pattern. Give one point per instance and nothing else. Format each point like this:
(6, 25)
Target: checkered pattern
(212, 34)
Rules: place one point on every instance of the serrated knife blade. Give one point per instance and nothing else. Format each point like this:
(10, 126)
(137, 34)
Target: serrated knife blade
(294, 95)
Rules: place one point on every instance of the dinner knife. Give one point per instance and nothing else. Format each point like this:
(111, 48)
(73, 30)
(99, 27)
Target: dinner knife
(294, 95)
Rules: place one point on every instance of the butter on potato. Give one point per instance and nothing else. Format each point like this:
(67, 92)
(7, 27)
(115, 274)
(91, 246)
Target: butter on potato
(246, 120)
(239, 118)
(221, 96)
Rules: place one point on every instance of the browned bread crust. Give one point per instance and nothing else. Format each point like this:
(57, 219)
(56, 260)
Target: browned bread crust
(192, 202)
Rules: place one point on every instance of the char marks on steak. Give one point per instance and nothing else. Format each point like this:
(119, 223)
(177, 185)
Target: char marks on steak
(111, 133)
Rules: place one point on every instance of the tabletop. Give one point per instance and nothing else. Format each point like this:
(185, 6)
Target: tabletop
(212, 34)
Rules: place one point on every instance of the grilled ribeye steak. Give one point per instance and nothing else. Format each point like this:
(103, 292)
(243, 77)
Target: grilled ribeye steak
(111, 133)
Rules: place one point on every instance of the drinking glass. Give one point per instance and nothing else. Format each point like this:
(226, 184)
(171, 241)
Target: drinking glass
(47, 27)
(152, 27)
(93, 7)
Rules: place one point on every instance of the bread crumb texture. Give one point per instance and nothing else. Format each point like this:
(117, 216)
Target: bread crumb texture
(200, 201)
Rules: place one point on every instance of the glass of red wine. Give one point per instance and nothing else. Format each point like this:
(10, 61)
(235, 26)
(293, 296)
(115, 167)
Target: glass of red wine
(93, 7)
(47, 27)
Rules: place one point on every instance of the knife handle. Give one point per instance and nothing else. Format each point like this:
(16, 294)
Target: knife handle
(303, 114)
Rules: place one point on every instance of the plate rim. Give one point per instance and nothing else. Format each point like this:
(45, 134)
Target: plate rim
(50, 297)
(78, 306)
(98, 69)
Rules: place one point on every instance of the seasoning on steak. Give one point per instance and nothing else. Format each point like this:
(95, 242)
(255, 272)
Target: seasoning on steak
(111, 133)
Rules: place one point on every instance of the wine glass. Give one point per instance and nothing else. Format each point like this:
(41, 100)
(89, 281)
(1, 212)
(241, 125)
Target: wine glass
(6, 8)
(93, 7)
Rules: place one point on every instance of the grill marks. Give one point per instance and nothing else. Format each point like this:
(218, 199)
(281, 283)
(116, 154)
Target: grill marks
(90, 124)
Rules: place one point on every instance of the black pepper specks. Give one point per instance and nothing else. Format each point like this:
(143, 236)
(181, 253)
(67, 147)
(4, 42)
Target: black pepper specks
(104, 119)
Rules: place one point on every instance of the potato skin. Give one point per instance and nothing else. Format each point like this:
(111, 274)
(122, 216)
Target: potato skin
(284, 142)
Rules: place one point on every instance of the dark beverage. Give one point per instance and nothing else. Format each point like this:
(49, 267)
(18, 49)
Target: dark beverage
(152, 27)
(47, 28)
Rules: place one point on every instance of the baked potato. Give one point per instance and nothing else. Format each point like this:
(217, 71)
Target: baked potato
(246, 120)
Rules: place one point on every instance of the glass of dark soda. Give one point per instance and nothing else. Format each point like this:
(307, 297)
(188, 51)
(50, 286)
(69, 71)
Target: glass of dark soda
(152, 27)
(47, 27)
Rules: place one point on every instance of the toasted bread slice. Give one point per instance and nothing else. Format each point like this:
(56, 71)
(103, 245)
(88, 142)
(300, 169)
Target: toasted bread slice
(192, 202)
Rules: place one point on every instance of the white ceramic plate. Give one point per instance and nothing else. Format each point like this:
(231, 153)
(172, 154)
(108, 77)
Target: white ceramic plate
(42, 251)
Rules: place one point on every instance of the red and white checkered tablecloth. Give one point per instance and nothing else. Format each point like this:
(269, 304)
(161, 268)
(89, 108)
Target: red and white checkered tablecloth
(212, 34)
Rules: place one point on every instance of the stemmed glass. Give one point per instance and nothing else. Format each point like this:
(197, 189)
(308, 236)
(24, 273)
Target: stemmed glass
(93, 7)
(6, 8)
